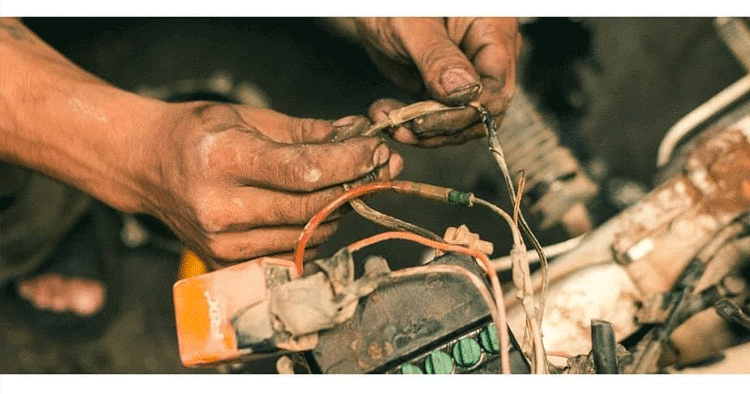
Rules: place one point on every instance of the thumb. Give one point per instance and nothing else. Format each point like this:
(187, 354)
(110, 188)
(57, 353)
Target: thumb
(447, 73)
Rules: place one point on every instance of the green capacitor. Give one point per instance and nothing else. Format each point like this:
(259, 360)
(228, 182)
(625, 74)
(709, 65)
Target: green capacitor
(466, 352)
(438, 362)
(488, 339)
(409, 369)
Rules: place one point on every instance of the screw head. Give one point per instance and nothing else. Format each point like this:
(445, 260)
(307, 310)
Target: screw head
(488, 339)
(466, 352)
(438, 362)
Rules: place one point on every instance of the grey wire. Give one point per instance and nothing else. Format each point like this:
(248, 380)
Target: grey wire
(495, 148)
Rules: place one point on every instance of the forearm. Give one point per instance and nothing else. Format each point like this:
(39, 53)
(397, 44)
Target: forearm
(61, 120)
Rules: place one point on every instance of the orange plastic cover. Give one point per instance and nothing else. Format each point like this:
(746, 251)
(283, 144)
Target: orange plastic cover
(204, 304)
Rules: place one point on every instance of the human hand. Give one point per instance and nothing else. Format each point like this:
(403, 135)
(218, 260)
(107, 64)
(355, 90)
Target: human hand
(237, 183)
(456, 60)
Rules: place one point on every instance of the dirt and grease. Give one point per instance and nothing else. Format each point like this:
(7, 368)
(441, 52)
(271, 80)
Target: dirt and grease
(310, 73)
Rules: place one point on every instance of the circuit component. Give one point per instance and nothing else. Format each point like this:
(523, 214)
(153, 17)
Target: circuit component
(422, 324)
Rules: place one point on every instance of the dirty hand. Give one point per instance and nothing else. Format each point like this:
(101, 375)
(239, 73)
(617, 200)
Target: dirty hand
(237, 183)
(457, 60)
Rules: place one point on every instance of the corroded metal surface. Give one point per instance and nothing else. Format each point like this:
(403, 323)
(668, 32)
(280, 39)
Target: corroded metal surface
(403, 319)
(652, 242)
(602, 292)
(685, 212)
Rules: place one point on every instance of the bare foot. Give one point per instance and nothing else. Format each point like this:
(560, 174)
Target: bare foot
(83, 297)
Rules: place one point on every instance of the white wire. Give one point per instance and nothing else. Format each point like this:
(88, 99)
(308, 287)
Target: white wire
(504, 263)
(699, 115)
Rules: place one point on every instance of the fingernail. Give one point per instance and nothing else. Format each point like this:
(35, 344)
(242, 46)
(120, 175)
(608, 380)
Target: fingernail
(349, 126)
(382, 153)
(457, 81)
(344, 122)
(395, 165)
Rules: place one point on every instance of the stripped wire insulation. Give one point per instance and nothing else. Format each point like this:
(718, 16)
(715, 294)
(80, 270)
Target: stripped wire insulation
(519, 196)
(391, 222)
(499, 317)
(522, 281)
(533, 312)
(438, 193)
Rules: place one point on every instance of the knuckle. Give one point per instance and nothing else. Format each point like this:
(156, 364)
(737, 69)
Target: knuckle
(307, 209)
(490, 27)
(209, 219)
(213, 113)
(208, 222)
(304, 128)
(221, 250)
(302, 173)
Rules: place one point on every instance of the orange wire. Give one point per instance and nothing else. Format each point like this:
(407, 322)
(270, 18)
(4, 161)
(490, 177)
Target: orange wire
(369, 188)
(315, 221)
(502, 330)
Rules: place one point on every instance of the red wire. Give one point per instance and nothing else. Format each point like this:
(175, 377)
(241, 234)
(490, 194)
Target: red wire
(315, 221)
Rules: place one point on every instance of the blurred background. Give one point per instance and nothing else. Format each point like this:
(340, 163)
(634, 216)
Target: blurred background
(611, 86)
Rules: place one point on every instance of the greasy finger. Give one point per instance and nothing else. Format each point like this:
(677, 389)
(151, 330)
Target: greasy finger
(305, 167)
(348, 127)
(473, 132)
(236, 247)
(292, 130)
(444, 122)
(492, 44)
(378, 112)
(447, 72)
(249, 207)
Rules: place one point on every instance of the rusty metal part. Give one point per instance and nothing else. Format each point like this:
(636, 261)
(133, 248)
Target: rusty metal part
(736, 36)
(602, 292)
(687, 211)
(656, 239)
(682, 302)
(405, 318)
(699, 116)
